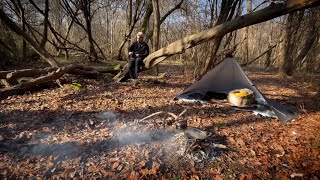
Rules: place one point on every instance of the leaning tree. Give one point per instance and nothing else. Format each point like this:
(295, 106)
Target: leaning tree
(272, 11)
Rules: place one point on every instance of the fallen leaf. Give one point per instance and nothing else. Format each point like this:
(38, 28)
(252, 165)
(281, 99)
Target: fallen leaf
(133, 176)
(144, 172)
(142, 163)
(252, 152)
(218, 177)
(121, 111)
(117, 67)
(146, 153)
(114, 159)
(69, 171)
(278, 148)
(195, 177)
(71, 175)
(155, 168)
(240, 142)
(231, 140)
(115, 165)
(242, 177)
(120, 167)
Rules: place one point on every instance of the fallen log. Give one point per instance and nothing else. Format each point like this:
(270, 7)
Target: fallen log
(43, 78)
(33, 84)
(13, 76)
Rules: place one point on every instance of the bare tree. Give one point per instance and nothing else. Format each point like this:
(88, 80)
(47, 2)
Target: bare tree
(139, 5)
(72, 8)
(10, 24)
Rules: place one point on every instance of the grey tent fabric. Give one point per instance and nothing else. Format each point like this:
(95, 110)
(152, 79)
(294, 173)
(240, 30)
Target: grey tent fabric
(227, 76)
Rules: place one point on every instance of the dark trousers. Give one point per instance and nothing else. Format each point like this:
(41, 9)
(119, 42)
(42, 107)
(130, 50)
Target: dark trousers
(135, 65)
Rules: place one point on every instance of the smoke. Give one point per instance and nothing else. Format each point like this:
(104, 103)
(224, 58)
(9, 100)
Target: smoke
(133, 134)
(130, 133)
(166, 146)
(174, 144)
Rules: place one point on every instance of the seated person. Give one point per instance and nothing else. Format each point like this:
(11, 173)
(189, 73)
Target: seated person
(137, 52)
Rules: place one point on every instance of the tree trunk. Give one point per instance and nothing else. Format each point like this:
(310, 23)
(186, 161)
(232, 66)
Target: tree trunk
(245, 45)
(45, 24)
(156, 28)
(24, 43)
(146, 19)
(283, 53)
(129, 22)
(23, 22)
(86, 9)
(291, 48)
(179, 46)
(89, 72)
(269, 53)
(268, 57)
(311, 38)
(288, 48)
(156, 24)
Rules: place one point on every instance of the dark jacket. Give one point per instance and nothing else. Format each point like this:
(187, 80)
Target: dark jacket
(141, 49)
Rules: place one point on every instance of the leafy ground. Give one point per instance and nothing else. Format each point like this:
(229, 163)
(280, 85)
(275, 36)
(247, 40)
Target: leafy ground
(93, 131)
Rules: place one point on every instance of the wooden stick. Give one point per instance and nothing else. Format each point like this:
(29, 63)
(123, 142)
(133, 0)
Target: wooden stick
(151, 115)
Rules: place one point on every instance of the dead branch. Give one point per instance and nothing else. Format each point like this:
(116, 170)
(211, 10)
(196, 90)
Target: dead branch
(265, 52)
(182, 113)
(151, 115)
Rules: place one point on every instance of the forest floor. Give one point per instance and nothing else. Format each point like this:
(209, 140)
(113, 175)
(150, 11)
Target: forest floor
(94, 131)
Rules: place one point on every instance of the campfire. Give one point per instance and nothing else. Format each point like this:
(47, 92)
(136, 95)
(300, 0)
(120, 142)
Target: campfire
(189, 144)
(198, 147)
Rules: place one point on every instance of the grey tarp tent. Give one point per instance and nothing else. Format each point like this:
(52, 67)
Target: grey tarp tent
(227, 76)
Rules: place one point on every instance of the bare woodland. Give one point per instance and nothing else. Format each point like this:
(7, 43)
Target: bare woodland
(43, 43)
(92, 29)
